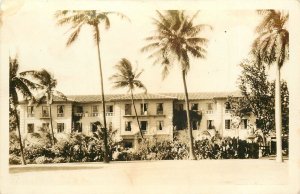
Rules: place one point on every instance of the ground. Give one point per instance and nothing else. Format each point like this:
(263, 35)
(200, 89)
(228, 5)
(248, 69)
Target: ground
(204, 176)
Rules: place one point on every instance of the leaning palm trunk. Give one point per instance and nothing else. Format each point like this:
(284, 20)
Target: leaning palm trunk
(106, 158)
(19, 137)
(137, 118)
(51, 125)
(192, 155)
(278, 120)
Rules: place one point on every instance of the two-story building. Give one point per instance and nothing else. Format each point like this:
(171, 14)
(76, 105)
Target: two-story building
(80, 113)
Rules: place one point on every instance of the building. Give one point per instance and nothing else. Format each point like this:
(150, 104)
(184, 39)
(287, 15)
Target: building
(155, 113)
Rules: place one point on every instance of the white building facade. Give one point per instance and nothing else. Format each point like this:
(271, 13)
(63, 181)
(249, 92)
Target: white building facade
(155, 112)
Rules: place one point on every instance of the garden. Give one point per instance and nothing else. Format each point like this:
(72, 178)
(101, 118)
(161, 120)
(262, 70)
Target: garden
(77, 147)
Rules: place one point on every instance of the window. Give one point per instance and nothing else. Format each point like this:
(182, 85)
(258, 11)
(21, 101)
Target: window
(194, 107)
(227, 124)
(109, 110)
(78, 127)
(95, 111)
(144, 125)
(94, 127)
(45, 126)
(128, 109)
(227, 107)
(79, 109)
(60, 110)
(30, 128)
(60, 127)
(144, 108)
(210, 124)
(30, 111)
(194, 125)
(45, 111)
(159, 108)
(180, 107)
(128, 126)
(159, 125)
(209, 108)
(128, 144)
(244, 123)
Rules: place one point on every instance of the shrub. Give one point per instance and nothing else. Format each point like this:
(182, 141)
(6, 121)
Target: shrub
(43, 160)
(14, 160)
(59, 160)
(14, 145)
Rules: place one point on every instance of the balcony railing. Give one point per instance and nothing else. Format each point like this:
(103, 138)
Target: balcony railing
(79, 114)
(60, 114)
(94, 114)
(209, 112)
(159, 112)
(144, 113)
(109, 114)
(44, 115)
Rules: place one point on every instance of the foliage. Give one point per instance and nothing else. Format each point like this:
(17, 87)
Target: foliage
(177, 38)
(43, 160)
(126, 77)
(82, 148)
(180, 118)
(92, 18)
(272, 42)
(258, 97)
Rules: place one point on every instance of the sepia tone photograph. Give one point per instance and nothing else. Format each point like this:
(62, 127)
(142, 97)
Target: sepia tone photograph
(140, 97)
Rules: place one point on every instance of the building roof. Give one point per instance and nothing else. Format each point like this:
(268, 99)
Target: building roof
(93, 98)
(204, 95)
(143, 96)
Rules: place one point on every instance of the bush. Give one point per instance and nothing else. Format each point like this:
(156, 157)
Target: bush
(14, 160)
(43, 160)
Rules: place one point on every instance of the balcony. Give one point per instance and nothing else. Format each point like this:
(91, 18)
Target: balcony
(160, 112)
(94, 114)
(144, 113)
(209, 112)
(60, 114)
(45, 116)
(109, 114)
(78, 114)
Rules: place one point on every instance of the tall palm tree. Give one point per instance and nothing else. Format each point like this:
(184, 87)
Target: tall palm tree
(126, 77)
(272, 47)
(77, 19)
(18, 83)
(49, 83)
(175, 40)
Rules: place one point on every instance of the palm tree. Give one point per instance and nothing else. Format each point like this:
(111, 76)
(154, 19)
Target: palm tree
(19, 84)
(126, 77)
(175, 40)
(272, 47)
(49, 83)
(92, 18)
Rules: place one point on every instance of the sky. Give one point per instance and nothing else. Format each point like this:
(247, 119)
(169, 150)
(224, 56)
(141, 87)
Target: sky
(40, 43)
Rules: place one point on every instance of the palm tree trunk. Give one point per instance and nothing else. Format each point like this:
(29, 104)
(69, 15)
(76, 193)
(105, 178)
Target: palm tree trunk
(278, 121)
(106, 158)
(19, 137)
(51, 125)
(192, 155)
(137, 118)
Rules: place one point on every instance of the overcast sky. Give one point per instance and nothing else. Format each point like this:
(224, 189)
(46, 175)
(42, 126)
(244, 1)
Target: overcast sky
(40, 43)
